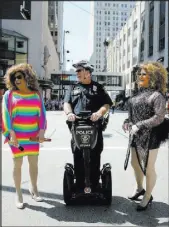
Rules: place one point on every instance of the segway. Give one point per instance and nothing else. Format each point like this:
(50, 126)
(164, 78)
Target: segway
(85, 133)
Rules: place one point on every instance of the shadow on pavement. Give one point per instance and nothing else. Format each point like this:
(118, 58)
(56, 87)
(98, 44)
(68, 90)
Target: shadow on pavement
(120, 212)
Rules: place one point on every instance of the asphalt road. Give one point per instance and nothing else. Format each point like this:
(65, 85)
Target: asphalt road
(54, 155)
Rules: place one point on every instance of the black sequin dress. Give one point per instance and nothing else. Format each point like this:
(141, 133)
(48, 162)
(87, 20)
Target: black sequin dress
(146, 111)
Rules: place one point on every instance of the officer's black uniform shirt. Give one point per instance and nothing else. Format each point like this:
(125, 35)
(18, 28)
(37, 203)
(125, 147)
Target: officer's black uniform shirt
(87, 97)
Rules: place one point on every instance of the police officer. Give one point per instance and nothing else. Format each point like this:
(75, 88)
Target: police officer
(85, 95)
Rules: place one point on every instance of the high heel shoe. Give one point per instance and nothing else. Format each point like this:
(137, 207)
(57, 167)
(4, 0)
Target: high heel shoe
(18, 202)
(35, 197)
(19, 205)
(141, 208)
(136, 195)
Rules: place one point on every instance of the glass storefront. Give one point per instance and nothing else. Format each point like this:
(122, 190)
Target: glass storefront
(13, 50)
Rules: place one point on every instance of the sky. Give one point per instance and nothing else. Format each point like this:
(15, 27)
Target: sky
(78, 22)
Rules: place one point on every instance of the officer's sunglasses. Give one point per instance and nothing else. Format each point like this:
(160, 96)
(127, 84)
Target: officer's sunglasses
(79, 70)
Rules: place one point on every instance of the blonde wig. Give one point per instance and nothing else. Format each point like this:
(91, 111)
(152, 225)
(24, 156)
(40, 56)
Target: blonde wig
(158, 75)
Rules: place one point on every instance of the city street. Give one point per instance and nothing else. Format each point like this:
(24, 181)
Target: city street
(53, 156)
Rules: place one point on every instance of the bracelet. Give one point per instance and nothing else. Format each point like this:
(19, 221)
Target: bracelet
(68, 113)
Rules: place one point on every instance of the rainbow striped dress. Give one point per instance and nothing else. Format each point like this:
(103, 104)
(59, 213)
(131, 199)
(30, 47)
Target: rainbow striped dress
(26, 115)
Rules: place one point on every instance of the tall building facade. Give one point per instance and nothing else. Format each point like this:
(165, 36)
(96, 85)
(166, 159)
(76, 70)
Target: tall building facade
(143, 38)
(55, 21)
(109, 17)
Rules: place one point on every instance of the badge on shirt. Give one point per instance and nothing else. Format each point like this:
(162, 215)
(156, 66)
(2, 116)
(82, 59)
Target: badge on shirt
(94, 88)
(76, 91)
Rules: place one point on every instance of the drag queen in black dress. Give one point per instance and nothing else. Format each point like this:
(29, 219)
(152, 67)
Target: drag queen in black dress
(146, 126)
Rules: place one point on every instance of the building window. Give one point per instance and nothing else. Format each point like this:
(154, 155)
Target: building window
(162, 43)
(135, 24)
(128, 48)
(151, 28)
(52, 17)
(142, 45)
(142, 56)
(151, 5)
(124, 52)
(142, 26)
(51, 33)
(162, 25)
(20, 44)
(134, 60)
(151, 44)
(128, 32)
(162, 12)
(135, 42)
(142, 16)
(128, 64)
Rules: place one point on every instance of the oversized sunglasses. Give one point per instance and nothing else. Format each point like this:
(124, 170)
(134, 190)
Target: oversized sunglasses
(19, 77)
(141, 74)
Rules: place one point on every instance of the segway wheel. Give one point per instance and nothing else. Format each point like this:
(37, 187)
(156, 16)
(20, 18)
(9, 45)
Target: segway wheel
(107, 187)
(67, 188)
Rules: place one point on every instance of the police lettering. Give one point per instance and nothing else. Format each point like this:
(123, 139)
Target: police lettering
(84, 132)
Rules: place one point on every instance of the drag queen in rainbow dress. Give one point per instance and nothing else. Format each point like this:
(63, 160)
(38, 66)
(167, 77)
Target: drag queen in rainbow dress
(23, 116)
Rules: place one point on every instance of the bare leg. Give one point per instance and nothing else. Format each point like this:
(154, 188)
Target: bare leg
(150, 176)
(139, 176)
(33, 171)
(17, 177)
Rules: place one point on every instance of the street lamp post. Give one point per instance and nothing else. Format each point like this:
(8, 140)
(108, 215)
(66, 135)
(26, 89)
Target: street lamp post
(106, 44)
(64, 48)
(63, 62)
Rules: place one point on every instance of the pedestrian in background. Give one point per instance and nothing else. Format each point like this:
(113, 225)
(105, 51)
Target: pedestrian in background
(146, 116)
(23, 116)
(113, 107)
